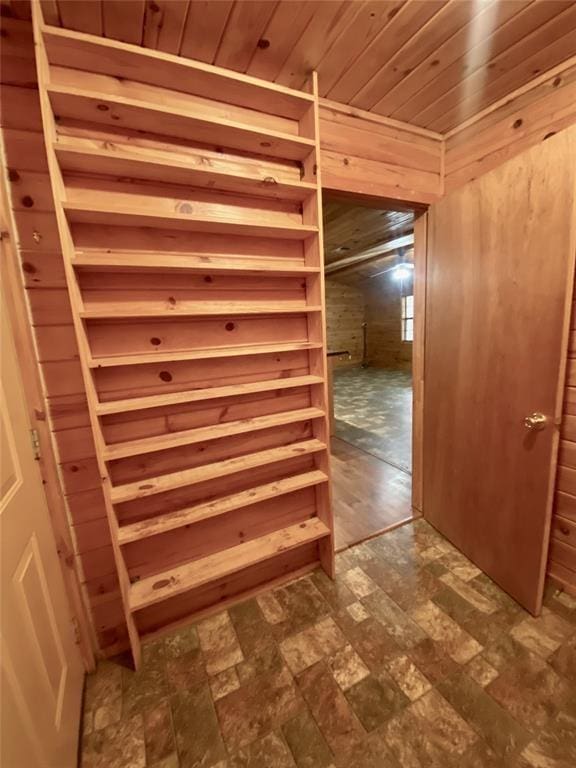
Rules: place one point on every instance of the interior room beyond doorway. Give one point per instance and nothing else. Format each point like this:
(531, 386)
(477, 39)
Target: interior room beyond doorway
(369, 255)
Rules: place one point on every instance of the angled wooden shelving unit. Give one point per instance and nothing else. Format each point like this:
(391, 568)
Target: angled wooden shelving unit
(189, 213)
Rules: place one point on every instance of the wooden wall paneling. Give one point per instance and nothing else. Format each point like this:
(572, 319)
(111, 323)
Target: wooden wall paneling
(562, 554)
(49, 127)
(35, 401)
(35, 239)
(157, 327)
(383, 297)
(372, 155)
(530, 115)
(345, 317)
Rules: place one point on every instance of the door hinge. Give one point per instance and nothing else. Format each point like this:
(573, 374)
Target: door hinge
(76, 630)
(35, 443)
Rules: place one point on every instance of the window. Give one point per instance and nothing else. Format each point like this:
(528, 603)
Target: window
(408, 318)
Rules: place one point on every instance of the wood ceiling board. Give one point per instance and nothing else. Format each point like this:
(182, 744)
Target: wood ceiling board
(81, 17)
(414, 78)
(283, 31)
(427, 74)
(164, 25)
(328, 22)
(358, 274)
(205, 24)
(409, 18)
(370, 18)
(540, 25)
(349, 230)
(405, 58)
(123, 20)
(245, 26)
(525, 71)
(425, 42)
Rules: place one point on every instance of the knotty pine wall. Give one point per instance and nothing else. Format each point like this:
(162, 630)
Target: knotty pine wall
(345, 314)
(562, 561)
(371, 155)
(540, 109)
(43, 274)
(383, 317)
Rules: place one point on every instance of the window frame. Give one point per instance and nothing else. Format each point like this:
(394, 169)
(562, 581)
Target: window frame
(406, 318)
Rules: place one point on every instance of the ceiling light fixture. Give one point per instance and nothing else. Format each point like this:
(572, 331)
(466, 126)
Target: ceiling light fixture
(402, 271)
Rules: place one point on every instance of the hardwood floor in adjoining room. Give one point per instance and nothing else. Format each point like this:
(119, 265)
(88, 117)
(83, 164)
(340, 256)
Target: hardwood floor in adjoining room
(369, 495)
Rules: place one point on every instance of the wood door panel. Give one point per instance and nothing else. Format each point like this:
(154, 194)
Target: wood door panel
(41, 666)
(500, 263)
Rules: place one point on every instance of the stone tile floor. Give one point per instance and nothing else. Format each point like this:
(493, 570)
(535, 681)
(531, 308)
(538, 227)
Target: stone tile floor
(373, 411)
(411, 658)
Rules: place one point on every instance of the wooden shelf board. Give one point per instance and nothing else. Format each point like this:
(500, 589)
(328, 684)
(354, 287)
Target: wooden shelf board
(212, 432)
(172, 520)
(142, 163)
(79, 213)
(65, 47)
(151, 486)
(109, 109)
(198, 309)
(213, 393)
(159, 262)
(183, 578)
(202, 354)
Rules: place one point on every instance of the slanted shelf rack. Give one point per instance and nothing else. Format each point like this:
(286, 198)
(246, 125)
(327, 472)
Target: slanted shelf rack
(191, 232)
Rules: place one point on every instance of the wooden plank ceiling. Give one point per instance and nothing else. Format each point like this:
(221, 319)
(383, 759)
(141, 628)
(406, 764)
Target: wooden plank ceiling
(432, 63)
(351, 230)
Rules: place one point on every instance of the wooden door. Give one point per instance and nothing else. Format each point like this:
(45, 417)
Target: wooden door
(499, 274)
(41, 668)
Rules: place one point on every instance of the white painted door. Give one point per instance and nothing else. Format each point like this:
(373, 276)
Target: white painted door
(41, 668)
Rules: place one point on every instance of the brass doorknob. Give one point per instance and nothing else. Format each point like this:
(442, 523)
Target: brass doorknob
(535, 421)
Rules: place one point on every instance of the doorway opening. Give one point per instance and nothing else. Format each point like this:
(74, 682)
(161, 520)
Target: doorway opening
(369, 265)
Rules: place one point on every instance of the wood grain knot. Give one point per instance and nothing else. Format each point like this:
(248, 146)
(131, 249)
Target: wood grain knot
(162, 583)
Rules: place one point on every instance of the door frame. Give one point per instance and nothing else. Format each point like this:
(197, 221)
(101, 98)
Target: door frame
(418, 352)
(38, 416)
(418, 343)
